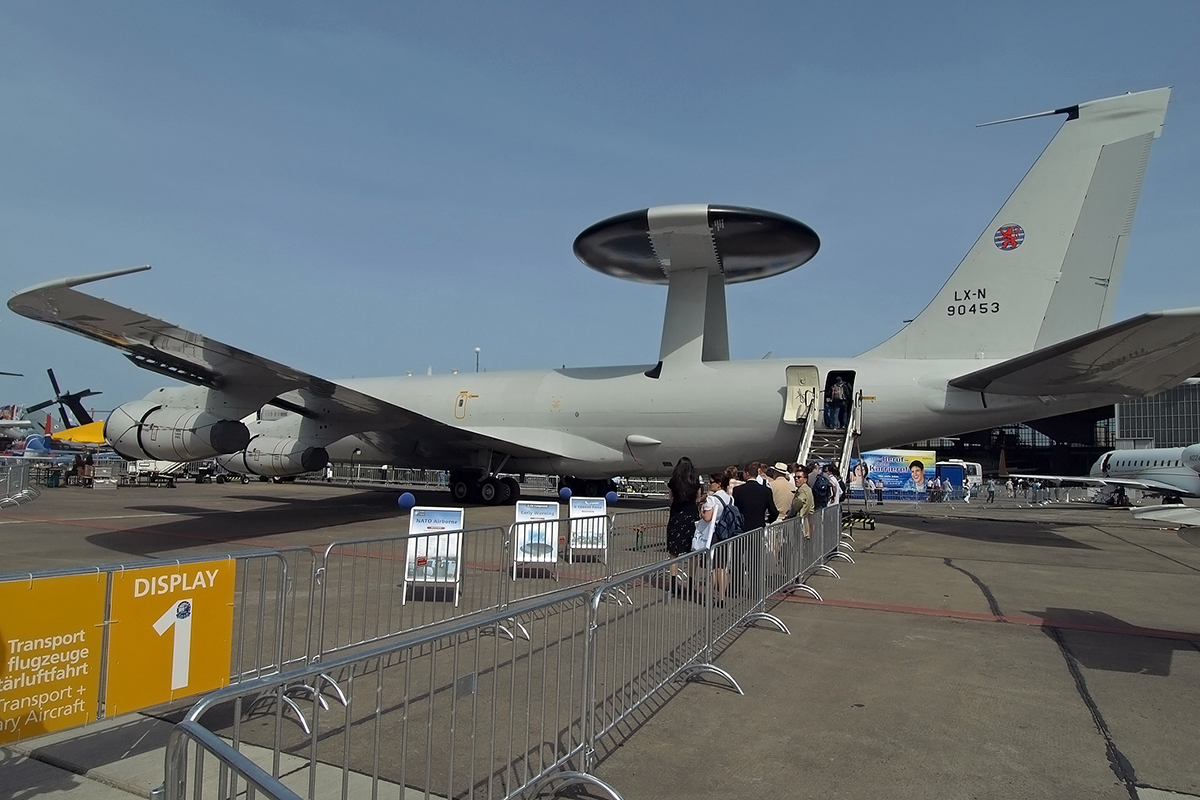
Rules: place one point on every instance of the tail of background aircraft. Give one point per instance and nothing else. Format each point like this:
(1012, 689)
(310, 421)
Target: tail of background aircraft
(1047, 267)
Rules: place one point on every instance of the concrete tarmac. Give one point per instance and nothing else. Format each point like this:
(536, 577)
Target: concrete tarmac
(969, 652)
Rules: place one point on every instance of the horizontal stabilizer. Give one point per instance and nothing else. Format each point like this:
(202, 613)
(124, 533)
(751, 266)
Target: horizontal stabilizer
(1140, 356)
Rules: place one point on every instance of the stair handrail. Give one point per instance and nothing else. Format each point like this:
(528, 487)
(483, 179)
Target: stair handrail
(810, 426)
(853, 431)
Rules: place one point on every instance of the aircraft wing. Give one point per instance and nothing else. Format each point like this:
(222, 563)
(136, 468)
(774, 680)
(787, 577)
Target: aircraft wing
(253, 381)
(1175, 514)
(1144, 484)
(1140, 356)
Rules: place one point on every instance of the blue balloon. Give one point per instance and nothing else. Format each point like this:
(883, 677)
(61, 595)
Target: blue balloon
(611, 497)
(406, 501)
(564, 493)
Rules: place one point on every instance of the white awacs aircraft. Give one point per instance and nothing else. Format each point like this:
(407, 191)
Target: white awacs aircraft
(1020, 331)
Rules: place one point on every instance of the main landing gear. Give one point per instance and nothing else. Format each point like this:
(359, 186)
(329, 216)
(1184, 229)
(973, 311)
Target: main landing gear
(467, 486)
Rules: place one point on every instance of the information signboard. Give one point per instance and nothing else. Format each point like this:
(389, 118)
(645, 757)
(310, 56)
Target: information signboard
(898, 471)
(433, 560)
(51, 641)
(589, 524)
(535, 535)
(171, 633)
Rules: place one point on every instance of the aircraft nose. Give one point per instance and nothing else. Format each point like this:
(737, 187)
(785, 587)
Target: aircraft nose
(1191, 457)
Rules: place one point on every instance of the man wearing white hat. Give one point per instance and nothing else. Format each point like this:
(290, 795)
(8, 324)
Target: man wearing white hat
(782, 487)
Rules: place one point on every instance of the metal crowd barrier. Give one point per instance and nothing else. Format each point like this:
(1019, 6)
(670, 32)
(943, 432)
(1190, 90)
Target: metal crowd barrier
(500, 704)
(461, 710)
(14, 477)
(367, 590)
(643, 531)
(273, 610)
(375, 475)
(532, 485)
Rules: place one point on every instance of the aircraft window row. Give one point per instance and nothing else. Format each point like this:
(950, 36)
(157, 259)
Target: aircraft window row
(1148, 463)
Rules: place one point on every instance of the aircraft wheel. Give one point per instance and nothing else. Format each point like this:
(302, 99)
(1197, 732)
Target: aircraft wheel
(591, 489)
(514, 490)
(460, 490)
(491, 492)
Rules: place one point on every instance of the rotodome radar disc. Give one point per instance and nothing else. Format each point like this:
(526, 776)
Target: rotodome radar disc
(748, 244)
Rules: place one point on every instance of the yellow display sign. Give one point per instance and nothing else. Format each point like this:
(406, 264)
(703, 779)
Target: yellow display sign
(51, 638)
(170, 635)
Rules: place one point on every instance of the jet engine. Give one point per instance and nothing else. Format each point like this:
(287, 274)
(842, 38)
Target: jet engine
(144, 429)
(275, 457)
(1191, 457)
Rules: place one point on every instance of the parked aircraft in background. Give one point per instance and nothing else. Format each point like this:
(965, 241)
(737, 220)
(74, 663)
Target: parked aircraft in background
(30, 438)
(1172, 472)
(1020, 331)
(13, 423)
(72, 401)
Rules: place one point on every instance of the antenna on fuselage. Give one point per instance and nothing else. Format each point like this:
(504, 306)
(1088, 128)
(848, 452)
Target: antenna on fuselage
(695, 250)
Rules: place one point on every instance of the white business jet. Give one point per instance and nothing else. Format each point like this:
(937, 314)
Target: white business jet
(1021, 330)
(1172, 472)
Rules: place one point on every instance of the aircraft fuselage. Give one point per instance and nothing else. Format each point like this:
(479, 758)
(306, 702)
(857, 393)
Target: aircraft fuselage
(617, 421)
(1173, 466)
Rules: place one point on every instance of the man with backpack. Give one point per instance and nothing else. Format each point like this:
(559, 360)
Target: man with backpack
(822, 487)
(839, 403)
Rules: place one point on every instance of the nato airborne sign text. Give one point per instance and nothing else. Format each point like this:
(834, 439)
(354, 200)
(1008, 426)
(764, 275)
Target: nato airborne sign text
(433, 549)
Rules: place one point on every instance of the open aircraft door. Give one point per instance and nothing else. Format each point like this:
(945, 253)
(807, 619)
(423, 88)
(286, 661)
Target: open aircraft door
(802, 383)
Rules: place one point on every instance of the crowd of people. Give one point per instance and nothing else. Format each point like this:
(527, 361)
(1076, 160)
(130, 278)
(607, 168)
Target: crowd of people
(759, 493)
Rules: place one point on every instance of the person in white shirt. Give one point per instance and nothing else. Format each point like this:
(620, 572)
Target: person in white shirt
(719, 499)
(831, 472)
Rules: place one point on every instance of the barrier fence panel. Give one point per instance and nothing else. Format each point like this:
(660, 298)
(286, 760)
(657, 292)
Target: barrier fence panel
(376, 588)
(272, 612)
(639, 538)
(648, 630)
(651, 630)
(16, 482)
(461, 710)
(367, 590)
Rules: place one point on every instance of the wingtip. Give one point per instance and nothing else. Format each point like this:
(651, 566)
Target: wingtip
(82, 279)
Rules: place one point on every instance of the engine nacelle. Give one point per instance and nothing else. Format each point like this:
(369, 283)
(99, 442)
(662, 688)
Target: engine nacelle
(274, 457)
(144, 429)
(1191, 457)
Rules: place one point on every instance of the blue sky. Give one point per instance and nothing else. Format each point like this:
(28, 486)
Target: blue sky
(359, 189)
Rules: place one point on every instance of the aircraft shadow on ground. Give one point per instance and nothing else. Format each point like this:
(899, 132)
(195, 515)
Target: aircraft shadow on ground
(205, 526)
(998, 532)
(1101, 641)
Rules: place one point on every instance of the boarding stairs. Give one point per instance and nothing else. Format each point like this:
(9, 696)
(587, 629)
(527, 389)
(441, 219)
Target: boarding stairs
(823, 445)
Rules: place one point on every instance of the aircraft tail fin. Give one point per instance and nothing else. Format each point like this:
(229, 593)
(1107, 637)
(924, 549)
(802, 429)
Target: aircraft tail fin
(1047, 267)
